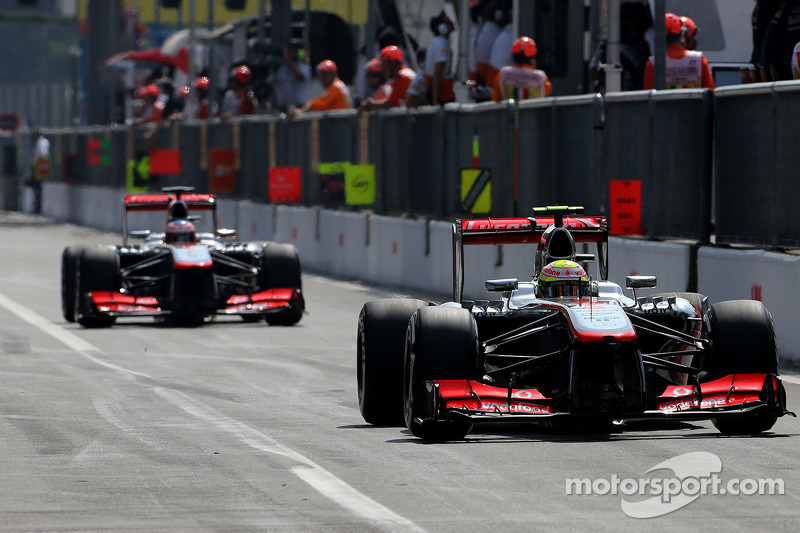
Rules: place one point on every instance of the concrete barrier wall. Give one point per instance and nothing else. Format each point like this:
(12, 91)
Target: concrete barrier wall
(773, 278)
(416, 255)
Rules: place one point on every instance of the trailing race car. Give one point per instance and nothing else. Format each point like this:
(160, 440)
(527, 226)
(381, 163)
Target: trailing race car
(563, 347)
(182, 274)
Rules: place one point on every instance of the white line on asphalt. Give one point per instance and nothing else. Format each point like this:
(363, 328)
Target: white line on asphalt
(60, 334)
(790, 379)
(317, 477)
(310, 472)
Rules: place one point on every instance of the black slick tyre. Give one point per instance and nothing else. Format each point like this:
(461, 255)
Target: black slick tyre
(380, 345)
(441, 343)
(742, 338)
(98, 270)
(280, 268)
(69, 282)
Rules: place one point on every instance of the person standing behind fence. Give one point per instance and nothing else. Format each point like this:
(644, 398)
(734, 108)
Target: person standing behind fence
(290, 81)
(41, 168)
(239, 99)
(684, 69)
(782, 34)
(205, 106)
(762, 14)
(493, 16)
(400, 77)
(153, 106)
(439, 61)
(376, 79)
(522, 80)
(337, 95)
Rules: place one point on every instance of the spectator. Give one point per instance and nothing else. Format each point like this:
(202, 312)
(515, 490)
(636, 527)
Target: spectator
(439, 61)
(501, 50)
(635, 21)
(476, 16)
(290, 81)
(42, 168)
(399, 76)
(205, 106)
(782, 34)
(683, 68)
(522, 80)
(152, 109)
(502, 19)
(376, 80)
(239, 99)
(337, 95)
(173, 102)
(417, 93)
(494, 16)
(763, 12)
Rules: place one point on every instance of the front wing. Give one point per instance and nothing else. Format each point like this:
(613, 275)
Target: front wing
(118, 304)
(732, 395)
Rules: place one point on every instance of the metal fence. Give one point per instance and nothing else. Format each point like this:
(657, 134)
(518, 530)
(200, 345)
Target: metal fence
(711, 165)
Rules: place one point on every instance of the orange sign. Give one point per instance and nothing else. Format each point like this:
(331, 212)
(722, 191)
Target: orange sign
(222, 169)
(285, 185)
(626, 207)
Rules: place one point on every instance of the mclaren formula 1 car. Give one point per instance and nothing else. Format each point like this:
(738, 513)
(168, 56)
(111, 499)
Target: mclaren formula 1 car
(563, 348)
(185, 274)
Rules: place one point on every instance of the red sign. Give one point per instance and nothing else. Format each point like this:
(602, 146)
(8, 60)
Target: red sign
(222, 169)
(165, 162)
(10, 122)
(626, 208)
(93, 152)
(285, 185)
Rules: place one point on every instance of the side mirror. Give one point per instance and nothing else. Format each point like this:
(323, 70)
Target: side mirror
(502, 285)
(640, 282)
(139, 234)
(226, 233)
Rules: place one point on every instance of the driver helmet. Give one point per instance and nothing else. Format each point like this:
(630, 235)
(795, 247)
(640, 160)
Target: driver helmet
(179, 232)
(563, 278)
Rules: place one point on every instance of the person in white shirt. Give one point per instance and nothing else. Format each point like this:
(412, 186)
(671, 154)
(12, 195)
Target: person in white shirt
(439, 60)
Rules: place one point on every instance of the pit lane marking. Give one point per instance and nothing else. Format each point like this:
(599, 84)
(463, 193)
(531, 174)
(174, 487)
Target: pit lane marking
(314, 475)
(63, 336)
(307, 470)
(790, 379)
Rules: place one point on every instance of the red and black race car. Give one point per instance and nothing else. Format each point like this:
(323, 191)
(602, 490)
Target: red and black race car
(563, 348)
(188, 272)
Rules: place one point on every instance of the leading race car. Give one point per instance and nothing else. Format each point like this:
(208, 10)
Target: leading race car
(183, 274)
(563, 348)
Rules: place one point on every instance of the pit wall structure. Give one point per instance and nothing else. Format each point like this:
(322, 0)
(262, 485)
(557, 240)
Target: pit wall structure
(415, 255)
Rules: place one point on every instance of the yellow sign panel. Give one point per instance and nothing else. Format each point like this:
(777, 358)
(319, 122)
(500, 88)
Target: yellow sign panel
(359, 184)
(352, 11)
(476, 190)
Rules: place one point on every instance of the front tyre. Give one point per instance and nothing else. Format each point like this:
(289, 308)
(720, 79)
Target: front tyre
(382, 327)
(98, 270)
(69, 282)
(441, 343)
(742, 339)
(280, 268)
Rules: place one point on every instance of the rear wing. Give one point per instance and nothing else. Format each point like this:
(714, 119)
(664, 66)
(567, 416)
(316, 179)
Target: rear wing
(158, 202)
(530, 230)
(165, 202)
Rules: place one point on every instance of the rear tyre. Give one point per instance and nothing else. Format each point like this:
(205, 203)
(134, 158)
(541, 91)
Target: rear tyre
(280, 268)
(69, 282)
(98, 270)
(441, 343)
(742, 339)
(382, 327)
